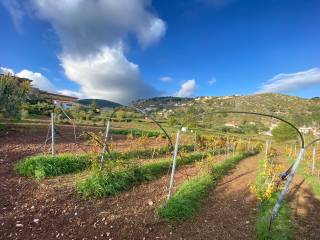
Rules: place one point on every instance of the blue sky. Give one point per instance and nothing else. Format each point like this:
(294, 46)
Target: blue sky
(123, 50)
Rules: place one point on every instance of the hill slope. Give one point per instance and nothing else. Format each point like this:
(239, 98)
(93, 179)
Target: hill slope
(298, 110)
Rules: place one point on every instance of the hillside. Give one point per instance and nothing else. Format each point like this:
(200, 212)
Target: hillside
(299, 110)
(100, 103)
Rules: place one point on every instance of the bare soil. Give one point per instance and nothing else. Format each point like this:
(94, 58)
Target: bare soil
(52, 209)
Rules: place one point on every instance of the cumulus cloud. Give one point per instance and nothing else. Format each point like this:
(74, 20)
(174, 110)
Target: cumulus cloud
(187, 89)
(15, 10)
(123, 77)
(285, 82)
(93, 43)
(212, 81)
(6, 71)
(38, 80)
(166, 79)
(70, 93)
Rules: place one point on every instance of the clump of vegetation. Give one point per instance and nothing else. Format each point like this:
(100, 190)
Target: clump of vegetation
(186, 202)
(113, 182)
(2, 126)
(267, 189)
(284, 132)
(12, 94)
(42, 166)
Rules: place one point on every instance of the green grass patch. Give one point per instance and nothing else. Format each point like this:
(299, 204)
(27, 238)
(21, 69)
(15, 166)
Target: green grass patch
(42, 166)
(314, 182)
(111, 183)
(136, 132)
(187, 200)
(282, 227)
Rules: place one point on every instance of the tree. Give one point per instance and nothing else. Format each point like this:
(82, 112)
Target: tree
(93, 105)
(12, 94)
(284, 132)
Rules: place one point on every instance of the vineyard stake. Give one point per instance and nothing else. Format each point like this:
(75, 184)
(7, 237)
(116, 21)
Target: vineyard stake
(173, 165)
(104, 145)
(52, 135)
(267, 147)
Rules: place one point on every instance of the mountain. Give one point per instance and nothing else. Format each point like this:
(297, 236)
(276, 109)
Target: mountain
(99, 102)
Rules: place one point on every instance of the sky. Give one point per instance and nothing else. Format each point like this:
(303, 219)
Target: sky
(124, 50)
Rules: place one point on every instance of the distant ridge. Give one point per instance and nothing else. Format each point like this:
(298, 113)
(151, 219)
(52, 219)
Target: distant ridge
(100, 103)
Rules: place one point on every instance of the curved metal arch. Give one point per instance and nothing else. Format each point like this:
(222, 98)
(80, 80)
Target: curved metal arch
(312, 142)
(271, 116)
(146, 115)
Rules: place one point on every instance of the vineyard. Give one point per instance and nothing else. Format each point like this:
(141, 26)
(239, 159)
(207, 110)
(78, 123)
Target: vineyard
(144, 182)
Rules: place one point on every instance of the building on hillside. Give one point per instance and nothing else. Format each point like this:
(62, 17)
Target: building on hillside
(306, 130)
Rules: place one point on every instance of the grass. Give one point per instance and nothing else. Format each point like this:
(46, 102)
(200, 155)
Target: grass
(148, 153)
(135, 132)
(282, 227)
(314, 182)
(187, 200)
(111, 183)
(42, 166)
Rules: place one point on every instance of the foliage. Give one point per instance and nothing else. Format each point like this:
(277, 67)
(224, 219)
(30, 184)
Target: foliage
(2, 126)
(172, 121)
(40, 108)
(12, 95)
(266, 189)
(187, 200)
(284, 132)
(42, 166)
(112, 182)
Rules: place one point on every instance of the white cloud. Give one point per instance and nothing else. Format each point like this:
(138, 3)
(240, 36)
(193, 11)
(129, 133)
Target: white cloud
(123, 77)
(285, 82)
(38, 80)
(4, 70)
(92, 34)
(166, 79)
(15, 10)
(70, 93)
(212, 81)
(187, 88)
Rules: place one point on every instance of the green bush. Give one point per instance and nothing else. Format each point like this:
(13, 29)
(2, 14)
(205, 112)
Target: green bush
(284, 132)
(42, 166)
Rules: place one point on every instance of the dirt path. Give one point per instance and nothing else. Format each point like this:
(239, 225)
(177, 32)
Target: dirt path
(228, 213)
(304, 204)
(306, 209)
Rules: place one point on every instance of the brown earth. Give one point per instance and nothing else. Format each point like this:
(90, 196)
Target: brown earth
(52, 209)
